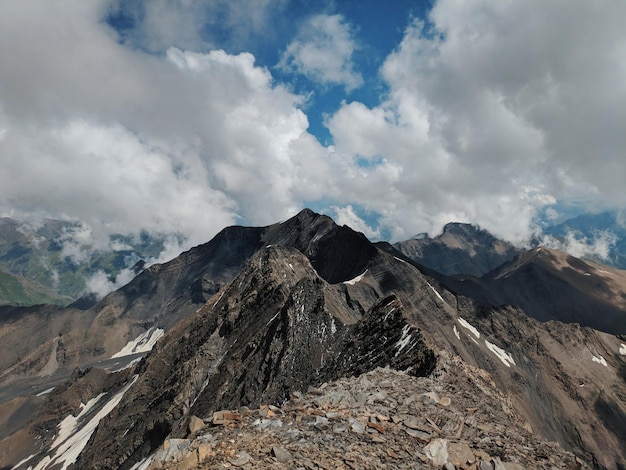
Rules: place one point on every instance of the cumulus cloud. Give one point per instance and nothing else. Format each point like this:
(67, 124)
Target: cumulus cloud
(101, 284)
(494, 110)
(323, 52)
(121, 140)
(348, 216)
(157, 25)
(580, 246)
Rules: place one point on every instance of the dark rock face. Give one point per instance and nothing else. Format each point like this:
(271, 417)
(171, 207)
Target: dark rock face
(460, 249)
(165, 294)
(277, 328)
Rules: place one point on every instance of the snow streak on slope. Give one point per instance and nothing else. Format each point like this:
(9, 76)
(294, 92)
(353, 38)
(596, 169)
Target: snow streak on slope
(352, 282)
(467, 326)
(143, 343)
(501, 354)
(600, 360)
(72, 439)
(436, 293)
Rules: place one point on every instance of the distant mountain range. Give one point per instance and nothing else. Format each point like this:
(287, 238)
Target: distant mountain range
(43, 263)
(260, 315)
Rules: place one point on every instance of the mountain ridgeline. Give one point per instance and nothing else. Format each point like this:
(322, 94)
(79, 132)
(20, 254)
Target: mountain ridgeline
(260, 315)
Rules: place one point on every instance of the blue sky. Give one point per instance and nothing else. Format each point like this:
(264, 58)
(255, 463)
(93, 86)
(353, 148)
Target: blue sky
(376, 28)
(183, 116)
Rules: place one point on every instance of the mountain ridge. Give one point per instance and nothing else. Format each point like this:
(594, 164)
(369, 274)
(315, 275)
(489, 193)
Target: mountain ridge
(459, 249)
(239, 346)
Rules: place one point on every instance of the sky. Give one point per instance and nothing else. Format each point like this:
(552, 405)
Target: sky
(182, 117)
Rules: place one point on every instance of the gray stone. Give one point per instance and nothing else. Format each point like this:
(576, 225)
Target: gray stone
(484, 465)
(437, 451)
(356, 426)
(512, 466)
(340, 428)
(281, 454)
(421, 435)
(241, 459)
(459, 453)
(321, 421)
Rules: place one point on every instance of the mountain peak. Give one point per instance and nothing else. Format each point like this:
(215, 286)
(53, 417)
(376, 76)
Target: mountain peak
(460, 249)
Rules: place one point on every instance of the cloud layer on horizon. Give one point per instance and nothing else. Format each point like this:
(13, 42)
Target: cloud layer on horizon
(494, 110)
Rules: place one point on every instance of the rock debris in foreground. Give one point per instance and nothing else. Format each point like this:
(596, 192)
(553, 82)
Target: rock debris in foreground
(384, 419)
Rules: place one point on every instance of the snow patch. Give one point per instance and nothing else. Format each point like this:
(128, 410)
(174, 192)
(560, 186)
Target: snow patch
(24, 461)
(599, 360)
(144, 464)
(436, 293)
(404, 340)
(469, 327)
(401, 260)
(45, 392)
(71, 440)
(391, 310)
(129, 365)
(456, 332)
(622, 349)
(143, 343)
(501, 354)
(273, 318)
(352, 282)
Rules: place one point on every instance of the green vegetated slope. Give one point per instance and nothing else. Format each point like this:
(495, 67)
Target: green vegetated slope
(18, 290)
(47, 255)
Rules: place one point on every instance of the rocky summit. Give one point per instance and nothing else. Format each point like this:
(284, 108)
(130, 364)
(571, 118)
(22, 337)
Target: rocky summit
(454, 419)
(303, 345)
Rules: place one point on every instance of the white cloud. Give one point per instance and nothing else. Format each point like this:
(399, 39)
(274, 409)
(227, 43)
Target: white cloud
(580, 246)
(194, 24)
(496, 98)
(100, 284)
(323, 51)
(499, 110)
(122, 141)
(347, 216)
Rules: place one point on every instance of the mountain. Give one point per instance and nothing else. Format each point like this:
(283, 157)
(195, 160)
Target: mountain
(549, 284)
(18, 290)
(258, 316)
(48, 255)
(591, 227)
(460, 249)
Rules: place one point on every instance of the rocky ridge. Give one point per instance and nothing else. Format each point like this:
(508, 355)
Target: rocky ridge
(320, 304)
(454, 419)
